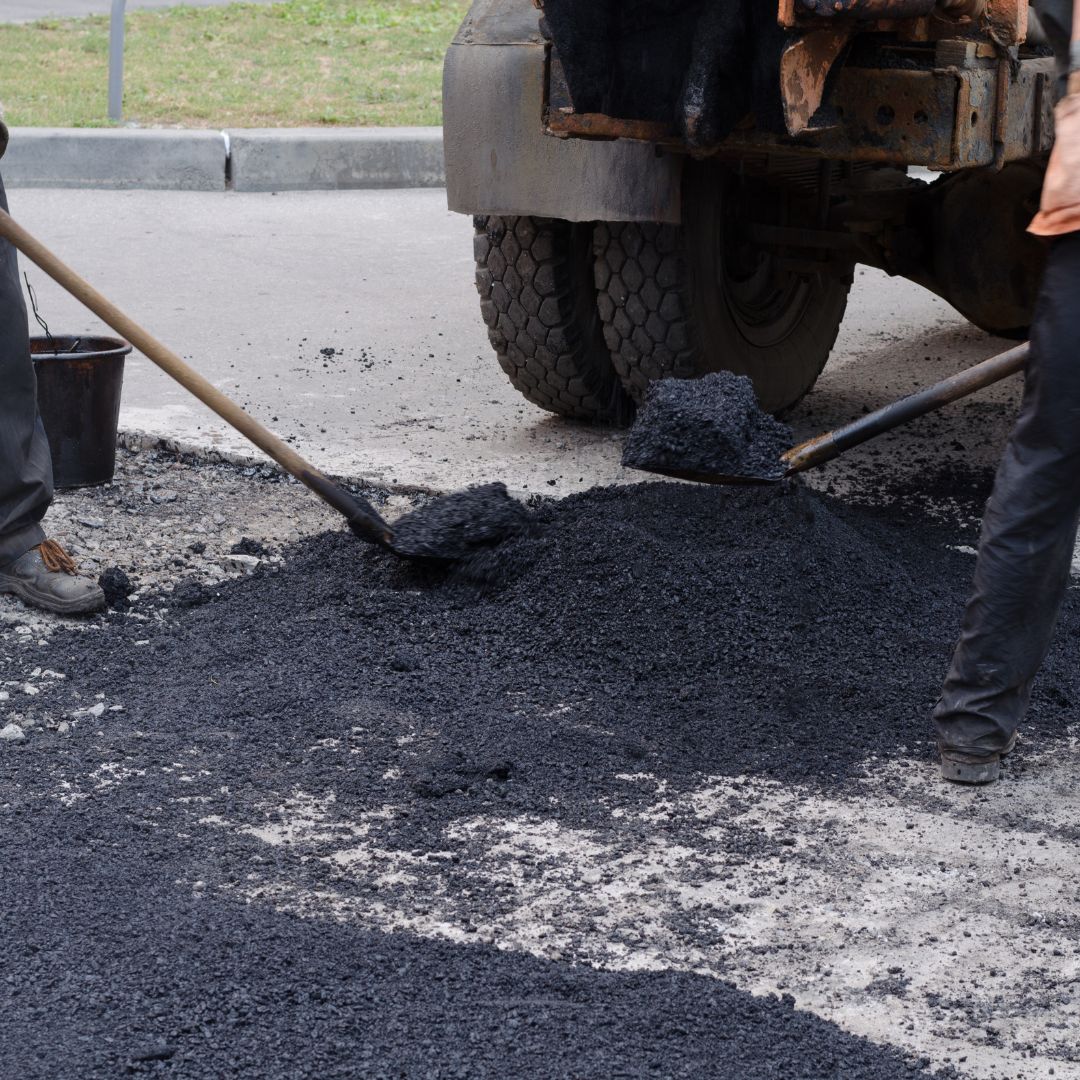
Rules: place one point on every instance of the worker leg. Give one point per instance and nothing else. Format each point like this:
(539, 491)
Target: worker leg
(25, 462)
(1029, 532)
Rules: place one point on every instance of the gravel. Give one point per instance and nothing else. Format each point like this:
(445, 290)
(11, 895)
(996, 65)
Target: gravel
(256, 823)
(220, 511)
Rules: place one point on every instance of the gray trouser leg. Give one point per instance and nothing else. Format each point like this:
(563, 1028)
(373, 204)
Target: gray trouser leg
(25, 462)
(1029, 531)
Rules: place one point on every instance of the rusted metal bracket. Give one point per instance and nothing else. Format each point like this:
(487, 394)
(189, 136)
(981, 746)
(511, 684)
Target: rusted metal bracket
(565, 123)
(867, 9)
(794, 13)
(804, 72)
(1006, 21)
(1002, 21)
(791, 11)
(943, 118)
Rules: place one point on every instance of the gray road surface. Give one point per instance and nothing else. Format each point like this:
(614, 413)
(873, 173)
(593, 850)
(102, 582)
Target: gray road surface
(29, 10)
(251, 288)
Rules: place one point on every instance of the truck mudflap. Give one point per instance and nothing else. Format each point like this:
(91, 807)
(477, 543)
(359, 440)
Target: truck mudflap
(500, 161)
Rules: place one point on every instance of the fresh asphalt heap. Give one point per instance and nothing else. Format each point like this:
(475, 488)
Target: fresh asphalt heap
(707, 426)
(662, 629)
(462, 526)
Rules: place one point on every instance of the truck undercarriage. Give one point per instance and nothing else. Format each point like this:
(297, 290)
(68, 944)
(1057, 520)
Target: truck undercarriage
(946, 90)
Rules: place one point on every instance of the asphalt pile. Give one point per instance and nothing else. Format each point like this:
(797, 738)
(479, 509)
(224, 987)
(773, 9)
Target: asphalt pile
(711, 426)
(667, 629)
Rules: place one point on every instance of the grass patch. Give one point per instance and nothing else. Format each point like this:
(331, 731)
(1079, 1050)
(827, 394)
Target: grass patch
(295, 63)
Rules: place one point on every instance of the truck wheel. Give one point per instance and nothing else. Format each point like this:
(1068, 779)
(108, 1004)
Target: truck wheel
(537, 297)
(684, 300)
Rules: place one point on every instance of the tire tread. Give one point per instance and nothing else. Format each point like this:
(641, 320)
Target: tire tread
(542, 323)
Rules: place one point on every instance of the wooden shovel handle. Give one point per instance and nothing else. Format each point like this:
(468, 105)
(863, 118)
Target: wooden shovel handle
(362, 517)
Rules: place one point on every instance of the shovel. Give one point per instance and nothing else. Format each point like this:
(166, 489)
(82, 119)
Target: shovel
(362, 518)
(817, 451)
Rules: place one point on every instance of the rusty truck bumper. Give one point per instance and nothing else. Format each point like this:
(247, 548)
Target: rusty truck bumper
(960, 116)
(974, 104)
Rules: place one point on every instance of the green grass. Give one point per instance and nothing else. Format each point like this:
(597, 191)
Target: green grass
(295, 63)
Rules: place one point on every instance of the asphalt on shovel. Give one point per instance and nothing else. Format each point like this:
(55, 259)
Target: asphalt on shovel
(817, 451)
(362, 518)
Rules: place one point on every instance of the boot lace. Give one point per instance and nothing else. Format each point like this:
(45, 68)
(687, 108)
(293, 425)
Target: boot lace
(56, 559)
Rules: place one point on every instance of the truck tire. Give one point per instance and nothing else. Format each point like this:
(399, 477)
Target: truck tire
(680, 301)
(538, 299)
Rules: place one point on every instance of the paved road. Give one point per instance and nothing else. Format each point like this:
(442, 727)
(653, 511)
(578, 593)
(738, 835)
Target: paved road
(252, 287)
(338, 820)
(271, 814)
(29, 10)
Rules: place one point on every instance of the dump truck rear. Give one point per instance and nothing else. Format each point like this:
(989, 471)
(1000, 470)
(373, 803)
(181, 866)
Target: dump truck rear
(666, 188)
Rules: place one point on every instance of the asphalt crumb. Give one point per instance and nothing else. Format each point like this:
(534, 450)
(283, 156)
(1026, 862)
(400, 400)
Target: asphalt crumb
(246, 546)
(190, 593)
(117, 587)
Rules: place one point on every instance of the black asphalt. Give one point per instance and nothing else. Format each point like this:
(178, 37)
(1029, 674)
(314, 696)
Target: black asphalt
(455, 527)
(675, 630)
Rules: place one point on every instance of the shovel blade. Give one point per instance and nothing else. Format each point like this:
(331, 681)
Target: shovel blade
(712, 478)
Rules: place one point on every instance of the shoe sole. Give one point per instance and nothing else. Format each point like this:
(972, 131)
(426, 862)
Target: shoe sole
(86, 605)
(970, 772)
(975, 772)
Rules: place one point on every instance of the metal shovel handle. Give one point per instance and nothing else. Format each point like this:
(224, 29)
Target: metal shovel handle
(825, 447)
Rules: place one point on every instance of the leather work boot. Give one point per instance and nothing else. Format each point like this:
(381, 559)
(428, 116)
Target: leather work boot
(973, 767)
(46, 577)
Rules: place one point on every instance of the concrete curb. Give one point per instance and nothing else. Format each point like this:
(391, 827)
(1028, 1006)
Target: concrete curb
(315, 159)
(252, 159)
(109, 158)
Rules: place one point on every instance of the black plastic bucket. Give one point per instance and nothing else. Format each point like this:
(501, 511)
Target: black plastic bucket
(79, 383)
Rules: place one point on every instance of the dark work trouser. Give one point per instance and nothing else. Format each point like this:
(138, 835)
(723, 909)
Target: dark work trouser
(1029, 530)
(25, 462)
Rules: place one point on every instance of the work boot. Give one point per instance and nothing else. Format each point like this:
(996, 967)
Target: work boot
(973, 766)
(46, 577)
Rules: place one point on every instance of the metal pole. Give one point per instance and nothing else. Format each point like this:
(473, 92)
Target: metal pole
(116, 61)
(826, 447)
